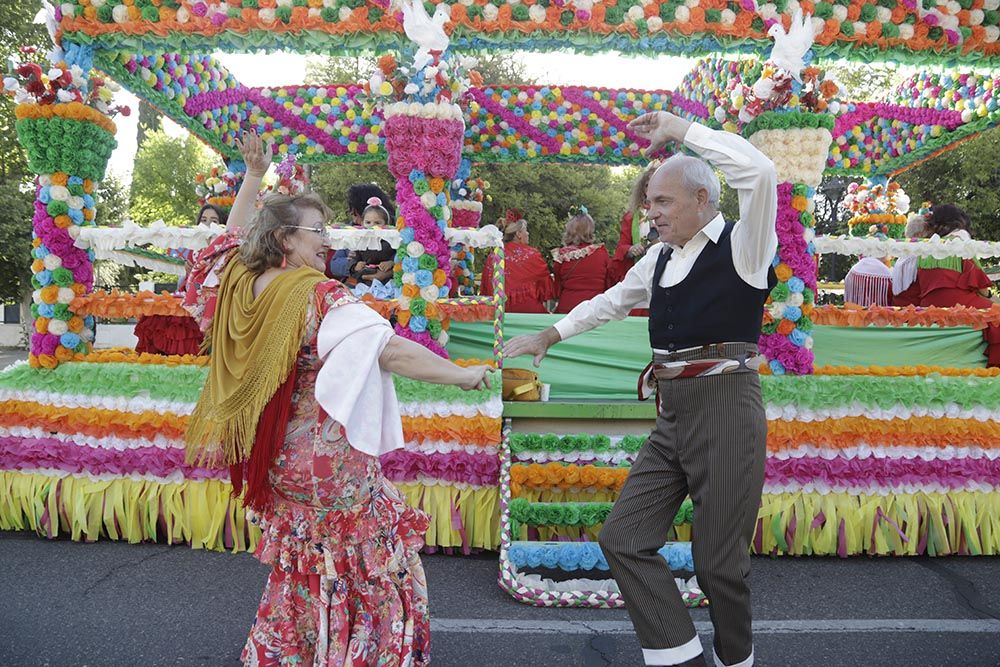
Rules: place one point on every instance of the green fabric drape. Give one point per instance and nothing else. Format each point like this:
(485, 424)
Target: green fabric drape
(605, 363)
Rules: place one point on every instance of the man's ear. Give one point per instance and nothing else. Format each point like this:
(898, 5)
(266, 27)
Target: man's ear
(702, 196)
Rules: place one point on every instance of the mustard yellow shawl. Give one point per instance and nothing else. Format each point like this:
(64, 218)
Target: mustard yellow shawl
(254, 345)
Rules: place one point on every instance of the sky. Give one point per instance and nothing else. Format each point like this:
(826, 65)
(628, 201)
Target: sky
(604, 70)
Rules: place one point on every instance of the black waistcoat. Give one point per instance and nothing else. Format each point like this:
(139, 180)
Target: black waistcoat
(711, 305)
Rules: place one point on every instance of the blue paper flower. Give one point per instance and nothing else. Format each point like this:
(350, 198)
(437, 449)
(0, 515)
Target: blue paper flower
(418, 323)
(410, 264)
(424, 278)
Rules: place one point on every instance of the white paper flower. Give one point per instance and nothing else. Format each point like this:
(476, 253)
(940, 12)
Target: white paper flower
(66, 295)
(415, 249)
(58, 327)
(429, 293)
(52, 262)
(537, 13)
(409, 278)
(120, 14)
(59, 192)
(654, 23)
(490, 12)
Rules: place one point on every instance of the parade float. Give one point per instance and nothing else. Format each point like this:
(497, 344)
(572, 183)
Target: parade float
(883, 423)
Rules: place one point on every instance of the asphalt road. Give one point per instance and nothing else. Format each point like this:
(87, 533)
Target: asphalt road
(67, 603)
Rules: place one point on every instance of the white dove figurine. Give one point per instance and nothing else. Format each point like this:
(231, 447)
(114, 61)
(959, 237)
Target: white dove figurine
(426, 32)
(790, 48)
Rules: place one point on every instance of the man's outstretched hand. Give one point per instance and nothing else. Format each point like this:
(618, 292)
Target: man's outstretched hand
(537, 345)
(660, 128)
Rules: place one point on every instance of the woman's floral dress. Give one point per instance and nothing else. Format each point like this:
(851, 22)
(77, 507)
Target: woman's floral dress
(347, 586)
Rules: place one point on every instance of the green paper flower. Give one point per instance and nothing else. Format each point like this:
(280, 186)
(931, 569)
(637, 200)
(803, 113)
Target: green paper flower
(427, 261)
(418, 306)
(62, 277)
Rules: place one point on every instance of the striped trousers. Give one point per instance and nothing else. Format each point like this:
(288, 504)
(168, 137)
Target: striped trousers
(709, 443)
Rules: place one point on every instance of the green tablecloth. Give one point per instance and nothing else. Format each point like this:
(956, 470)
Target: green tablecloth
(605, 363)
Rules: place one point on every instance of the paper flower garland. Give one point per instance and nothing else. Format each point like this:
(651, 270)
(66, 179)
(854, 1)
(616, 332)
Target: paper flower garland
(877, 209)
(218, 187)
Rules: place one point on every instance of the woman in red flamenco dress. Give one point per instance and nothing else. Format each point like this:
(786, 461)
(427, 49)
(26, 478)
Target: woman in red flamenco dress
(528, 282)
(954, 281)
(582, 267)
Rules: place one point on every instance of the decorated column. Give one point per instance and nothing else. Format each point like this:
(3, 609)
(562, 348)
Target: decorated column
(64, 125)
(424, 133)
(877, 208)
(786, 109)
(467, 195)
(797, 143)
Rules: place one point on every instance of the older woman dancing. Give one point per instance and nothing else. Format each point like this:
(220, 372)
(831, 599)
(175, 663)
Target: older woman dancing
(299, 403)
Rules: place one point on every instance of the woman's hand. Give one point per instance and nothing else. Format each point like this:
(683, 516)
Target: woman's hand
(257, 155)
(477, 377)
(637, 250)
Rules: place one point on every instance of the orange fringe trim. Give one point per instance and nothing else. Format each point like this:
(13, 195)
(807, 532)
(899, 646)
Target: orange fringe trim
(479, 430)
(95, 422)
(914, 432)
(71, 110)
(126, 355)
(119, 305)
(473, 312)
(898, 371)
(556, 475)
(910, 316)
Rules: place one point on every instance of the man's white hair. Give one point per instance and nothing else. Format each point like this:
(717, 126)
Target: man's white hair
(695, 175)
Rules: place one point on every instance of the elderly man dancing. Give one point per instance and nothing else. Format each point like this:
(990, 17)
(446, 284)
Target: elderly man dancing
(705, 285)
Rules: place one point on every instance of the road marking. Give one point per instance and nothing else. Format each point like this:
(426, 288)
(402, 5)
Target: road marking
(818, 626)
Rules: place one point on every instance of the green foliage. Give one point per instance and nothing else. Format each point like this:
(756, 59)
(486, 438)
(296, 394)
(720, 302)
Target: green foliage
(15, 240)
(860, 82)
(16, 30)
(545, 193)
(163, 179)
(967, 176)
(112, 202)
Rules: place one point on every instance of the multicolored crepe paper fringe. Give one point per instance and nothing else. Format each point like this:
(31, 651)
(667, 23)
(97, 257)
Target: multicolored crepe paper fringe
(114, 425)
(897, 29)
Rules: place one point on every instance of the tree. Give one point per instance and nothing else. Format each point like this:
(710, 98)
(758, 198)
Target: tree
(15, 240)
(163, 179)
(322, 71)
(968, 176)
(862, 82)
(150, 120)
(112, 202)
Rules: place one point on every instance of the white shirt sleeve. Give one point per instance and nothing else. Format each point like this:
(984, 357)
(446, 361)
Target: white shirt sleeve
(351, 386)
(616, 302)
(752, 175)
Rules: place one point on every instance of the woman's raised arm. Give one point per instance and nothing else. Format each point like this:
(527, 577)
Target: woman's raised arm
(257, 155)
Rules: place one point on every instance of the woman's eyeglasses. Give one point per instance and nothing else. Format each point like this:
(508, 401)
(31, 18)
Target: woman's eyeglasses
(321, 230)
